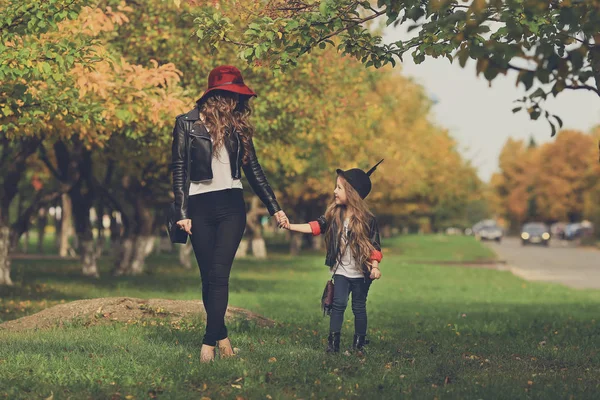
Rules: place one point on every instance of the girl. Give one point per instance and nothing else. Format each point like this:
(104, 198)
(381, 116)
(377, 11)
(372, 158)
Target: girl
(212, 144)
(353, 251)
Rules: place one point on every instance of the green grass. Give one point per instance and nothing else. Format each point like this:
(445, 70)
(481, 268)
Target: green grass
(493, 335)
(438, 248)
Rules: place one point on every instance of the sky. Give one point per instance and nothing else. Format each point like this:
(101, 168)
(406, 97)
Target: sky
(479, 117)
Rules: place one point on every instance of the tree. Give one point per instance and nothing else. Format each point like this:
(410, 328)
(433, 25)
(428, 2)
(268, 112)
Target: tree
(557, 181)
(562, 191)
(554, 45)
(61, 105)
(513, 184)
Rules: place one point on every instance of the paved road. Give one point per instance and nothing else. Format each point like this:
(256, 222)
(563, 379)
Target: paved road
(575, 267)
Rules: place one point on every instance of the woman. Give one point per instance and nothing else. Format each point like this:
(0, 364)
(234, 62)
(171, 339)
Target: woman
(217, 138)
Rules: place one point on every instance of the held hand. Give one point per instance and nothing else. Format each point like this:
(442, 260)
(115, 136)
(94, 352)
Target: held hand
(282, 220)
(186, 225)
(375, 273)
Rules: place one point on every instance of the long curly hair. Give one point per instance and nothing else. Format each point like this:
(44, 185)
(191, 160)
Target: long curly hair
(359, 225)
(224, 110)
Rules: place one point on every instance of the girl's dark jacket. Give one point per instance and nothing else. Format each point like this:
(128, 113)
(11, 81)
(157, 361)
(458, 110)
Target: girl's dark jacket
(320, 226)
(193, 140)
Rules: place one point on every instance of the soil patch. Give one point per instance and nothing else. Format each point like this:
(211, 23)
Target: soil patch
(123, 309)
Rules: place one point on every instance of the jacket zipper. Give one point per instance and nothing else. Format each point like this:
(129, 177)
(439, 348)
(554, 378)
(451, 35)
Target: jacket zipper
(237, 159)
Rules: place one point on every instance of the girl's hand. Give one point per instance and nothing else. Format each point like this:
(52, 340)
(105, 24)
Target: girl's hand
(186, 225)
(375, 273)
(282, 220)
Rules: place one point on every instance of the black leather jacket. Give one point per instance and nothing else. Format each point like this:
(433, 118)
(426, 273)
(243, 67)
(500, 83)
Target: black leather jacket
(320, 226)
(194, 140)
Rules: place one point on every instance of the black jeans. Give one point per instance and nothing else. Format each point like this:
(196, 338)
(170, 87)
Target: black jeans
(343, 286)
(218, 223)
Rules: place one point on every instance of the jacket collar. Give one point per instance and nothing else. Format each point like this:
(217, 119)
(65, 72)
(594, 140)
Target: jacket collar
(193, 115)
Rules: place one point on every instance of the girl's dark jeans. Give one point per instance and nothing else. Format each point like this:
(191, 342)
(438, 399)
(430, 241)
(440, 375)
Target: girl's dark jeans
(218, 223)
(343, 286)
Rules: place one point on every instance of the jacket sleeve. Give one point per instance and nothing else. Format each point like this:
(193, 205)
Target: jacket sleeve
(257, 179)
(376, 254)
(179, 169)
(319, 226)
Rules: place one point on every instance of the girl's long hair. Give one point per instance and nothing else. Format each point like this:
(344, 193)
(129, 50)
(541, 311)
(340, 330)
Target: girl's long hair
(222, 112)
(359, 240)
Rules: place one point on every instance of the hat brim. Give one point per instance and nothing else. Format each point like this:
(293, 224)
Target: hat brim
(238, 88)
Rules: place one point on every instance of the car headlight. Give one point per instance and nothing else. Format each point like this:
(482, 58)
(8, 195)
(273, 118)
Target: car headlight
(546, 236)
(525, 235)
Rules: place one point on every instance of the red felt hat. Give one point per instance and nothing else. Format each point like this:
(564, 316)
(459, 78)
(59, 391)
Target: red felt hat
(228, 78)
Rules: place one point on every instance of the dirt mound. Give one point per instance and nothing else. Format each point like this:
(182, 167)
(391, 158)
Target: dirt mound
(122, 309)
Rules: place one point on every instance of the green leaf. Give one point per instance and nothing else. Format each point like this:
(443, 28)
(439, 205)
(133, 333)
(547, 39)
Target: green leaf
(527, 79)
(559, 120)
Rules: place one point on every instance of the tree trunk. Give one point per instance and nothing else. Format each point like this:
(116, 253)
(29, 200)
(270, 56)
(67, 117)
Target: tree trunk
(57, 225)
(184, 255)
(295, 243)
(143, 248)
(386, 231)
(41, 227)
(4, 260)
(317, 242)
(123, 256)
(242, 250)
(25, 245)
(257, 242)
(89, 255)
(259, 248)
(66, 226)
(144, 242)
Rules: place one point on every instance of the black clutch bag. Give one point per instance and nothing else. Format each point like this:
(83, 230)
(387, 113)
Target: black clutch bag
(176, 234)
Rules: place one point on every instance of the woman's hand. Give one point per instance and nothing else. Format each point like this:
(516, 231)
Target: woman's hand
(282, 220)
(375, 272)
(186, 225)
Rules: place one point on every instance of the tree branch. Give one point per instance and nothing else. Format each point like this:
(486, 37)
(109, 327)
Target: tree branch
(584, 87)
(46, 160)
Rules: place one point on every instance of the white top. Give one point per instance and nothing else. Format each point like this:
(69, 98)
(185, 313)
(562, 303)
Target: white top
(347, 265)
(222, 180)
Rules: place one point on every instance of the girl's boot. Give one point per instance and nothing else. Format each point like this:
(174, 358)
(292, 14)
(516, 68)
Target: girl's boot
(359, 342)
(333, 342)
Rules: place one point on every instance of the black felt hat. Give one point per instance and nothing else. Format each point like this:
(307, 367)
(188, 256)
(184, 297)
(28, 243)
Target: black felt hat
(359, 179)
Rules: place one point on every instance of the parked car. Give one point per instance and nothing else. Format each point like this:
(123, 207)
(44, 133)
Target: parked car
(535, 233)
(483, 224)
(557, 230)
(579, 230)
(490, 233)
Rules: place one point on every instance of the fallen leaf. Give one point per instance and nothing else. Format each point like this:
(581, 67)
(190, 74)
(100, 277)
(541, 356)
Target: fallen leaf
(530, 383)
(51, 397)
(236, 386)
(272, 360)
(447, 380)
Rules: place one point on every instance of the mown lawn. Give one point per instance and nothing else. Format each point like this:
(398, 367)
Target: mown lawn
(436, 332)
